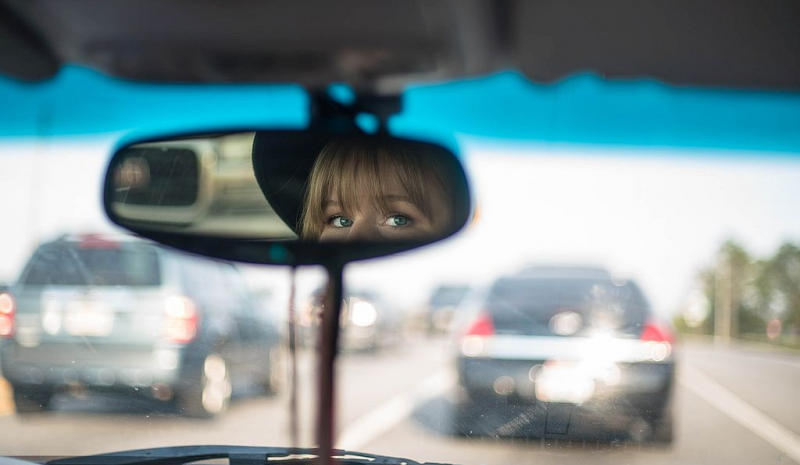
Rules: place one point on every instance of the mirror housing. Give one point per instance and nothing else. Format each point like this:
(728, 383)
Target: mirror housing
(244, 196)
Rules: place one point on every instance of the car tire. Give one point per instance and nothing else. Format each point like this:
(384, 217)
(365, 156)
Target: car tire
(464, 419)
(658, 432)
(664, 430)
(210, 396)
(31, 400)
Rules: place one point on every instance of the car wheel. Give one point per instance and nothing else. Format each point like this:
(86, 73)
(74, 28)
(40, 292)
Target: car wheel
(211, 396)
(466, 419)
(664, 430)
(658, 432)
(31, 400)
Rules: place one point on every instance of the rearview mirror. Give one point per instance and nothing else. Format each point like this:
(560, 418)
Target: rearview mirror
(288, 197)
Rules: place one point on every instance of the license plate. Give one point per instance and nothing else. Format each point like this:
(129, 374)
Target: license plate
(569, 383)
(88, 319)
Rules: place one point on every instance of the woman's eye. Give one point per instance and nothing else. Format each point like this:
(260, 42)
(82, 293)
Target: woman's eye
(398, 220)
(340, 221)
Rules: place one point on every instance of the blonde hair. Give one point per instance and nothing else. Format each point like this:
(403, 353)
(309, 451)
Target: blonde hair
(353, 168)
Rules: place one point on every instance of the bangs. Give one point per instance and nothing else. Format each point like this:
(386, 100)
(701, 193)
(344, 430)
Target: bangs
(354, 180)
(357, 173)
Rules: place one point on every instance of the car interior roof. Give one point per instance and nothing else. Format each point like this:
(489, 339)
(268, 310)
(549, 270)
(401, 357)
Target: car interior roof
(380, 45)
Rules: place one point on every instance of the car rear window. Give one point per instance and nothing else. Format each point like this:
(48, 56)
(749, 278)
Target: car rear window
(527, 306)
(172, 177)
(73, 264)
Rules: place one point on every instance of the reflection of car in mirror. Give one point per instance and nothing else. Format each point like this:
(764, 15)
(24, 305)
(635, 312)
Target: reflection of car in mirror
(171, 327)
(199, 185)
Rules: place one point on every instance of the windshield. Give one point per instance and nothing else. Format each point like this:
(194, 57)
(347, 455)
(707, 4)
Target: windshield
(607, 303)
(684, 268)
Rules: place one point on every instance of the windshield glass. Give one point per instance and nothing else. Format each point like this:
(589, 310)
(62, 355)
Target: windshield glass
(625, 304)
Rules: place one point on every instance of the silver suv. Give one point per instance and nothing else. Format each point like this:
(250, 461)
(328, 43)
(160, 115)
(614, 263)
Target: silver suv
(115, 313)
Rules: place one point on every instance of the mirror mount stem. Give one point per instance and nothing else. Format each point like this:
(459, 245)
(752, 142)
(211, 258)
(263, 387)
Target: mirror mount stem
(327, 111)
(329, 338)
(294, 429)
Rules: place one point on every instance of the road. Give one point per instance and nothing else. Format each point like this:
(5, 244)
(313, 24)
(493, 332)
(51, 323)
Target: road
(734, 405)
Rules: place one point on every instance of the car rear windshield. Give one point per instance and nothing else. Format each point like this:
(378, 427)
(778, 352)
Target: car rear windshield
(528, 306)
(173, 176)
(112, 264)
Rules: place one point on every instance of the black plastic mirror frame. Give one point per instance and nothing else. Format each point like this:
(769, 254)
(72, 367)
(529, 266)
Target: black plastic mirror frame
(257, 251)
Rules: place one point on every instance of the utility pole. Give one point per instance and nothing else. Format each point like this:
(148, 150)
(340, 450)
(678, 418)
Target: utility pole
(722, 304)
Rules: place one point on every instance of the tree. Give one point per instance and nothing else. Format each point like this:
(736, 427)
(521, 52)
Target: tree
(730, 289)
(780, 279)
(743, 293)
(732, 279)
(708, 284)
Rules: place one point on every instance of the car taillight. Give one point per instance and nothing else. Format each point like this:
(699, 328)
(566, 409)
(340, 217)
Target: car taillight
(657, 331)
(181, 320)
(658, 339)
(481, 326)
(472, 342)
(8, 309)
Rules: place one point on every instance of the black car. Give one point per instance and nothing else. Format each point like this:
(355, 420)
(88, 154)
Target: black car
(561, 352)
(115, 313)
(368, 322)
(441, 306)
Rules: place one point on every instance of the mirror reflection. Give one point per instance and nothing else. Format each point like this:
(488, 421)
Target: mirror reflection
(195, 186)
(288, 186)
(371, 189)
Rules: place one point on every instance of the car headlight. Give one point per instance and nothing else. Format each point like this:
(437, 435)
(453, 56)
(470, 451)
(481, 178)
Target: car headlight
(363, 314)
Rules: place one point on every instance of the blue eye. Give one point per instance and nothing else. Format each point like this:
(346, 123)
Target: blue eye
(340, 221)
(398, 221)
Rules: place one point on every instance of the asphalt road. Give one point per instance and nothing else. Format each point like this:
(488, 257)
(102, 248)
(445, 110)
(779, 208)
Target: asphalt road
(734, 405)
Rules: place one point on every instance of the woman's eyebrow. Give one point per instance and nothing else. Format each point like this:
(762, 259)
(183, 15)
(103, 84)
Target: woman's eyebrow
(331, 203)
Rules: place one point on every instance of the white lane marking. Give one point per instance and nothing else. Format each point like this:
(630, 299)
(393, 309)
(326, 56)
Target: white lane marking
(387, 415)
(741, 411)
